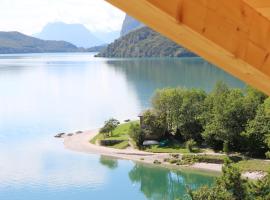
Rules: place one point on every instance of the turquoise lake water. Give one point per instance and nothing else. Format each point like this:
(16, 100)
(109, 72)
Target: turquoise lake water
(44, 94)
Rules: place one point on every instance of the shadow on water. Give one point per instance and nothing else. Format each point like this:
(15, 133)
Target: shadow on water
(157, 183)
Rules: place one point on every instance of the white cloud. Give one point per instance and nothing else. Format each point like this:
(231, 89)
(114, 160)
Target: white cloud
(29, 16)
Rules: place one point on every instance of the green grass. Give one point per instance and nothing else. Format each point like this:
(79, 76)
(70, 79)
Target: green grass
(254, 165)
(170, 149)
(120, 133)
(121, 145)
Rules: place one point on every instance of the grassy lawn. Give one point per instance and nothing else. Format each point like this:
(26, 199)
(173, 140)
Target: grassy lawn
(121, 145)
(254, 165)
(170, 149)
(120, 133)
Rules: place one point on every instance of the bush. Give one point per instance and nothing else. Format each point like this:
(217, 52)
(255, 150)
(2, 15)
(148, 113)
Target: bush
(190, 145)
(268, 154)
(226, 147)
(203, 158)
(136, 134)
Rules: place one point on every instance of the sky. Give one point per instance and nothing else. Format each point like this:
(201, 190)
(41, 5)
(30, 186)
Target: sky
(30, 16)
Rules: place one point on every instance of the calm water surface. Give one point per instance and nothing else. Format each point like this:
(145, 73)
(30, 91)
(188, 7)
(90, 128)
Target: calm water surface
(43, 94)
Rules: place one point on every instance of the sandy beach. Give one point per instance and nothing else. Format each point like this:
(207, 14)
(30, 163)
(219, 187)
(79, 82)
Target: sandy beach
(80, 143)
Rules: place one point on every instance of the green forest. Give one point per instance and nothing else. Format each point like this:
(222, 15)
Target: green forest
(144, 42)
(226, 119)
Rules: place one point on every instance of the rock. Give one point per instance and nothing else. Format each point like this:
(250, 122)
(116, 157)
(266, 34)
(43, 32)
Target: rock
(156, 162)
(59, 135)
(70, 134)
(79, 132)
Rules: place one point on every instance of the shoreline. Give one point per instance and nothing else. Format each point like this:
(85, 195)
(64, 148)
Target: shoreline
(81, 143)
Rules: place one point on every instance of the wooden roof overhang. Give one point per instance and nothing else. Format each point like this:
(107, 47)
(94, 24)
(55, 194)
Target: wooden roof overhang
(232, 34)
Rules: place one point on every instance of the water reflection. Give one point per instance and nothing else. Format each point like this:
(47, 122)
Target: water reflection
(161, 184)
(146, 75)
(108, 162)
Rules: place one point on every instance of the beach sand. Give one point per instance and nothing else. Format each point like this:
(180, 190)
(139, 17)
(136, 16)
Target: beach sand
(81, 143)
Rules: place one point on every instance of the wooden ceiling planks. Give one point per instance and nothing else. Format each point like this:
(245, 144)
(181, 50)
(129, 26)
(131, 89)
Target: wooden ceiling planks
(262, 6)
(232, 34)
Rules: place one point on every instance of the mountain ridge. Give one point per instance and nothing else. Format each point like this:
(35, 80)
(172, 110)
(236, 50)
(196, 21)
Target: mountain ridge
(16, 42)
(76, 34)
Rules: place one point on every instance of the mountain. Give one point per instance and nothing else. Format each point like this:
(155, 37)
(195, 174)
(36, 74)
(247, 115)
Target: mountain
(15, 42)
(76, 34)
(130, 24)
(144, 42)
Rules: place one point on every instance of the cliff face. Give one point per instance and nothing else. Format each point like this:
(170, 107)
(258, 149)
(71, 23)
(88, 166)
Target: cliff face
(144, 42)
(130, 24)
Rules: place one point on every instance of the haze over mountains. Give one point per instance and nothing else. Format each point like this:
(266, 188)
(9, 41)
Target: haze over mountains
(76, 34)
(136, 40)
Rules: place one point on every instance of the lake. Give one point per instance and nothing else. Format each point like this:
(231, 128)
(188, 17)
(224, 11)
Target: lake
(44, 94)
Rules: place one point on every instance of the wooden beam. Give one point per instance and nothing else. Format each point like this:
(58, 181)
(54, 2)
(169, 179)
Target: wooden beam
(228, 33)
(262, 6)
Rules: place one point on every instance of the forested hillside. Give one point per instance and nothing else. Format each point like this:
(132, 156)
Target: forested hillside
(15, 42)
(144, 42)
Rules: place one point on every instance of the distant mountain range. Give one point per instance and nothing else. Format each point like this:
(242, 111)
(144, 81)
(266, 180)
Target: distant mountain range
(15, 42)
(76, 34)
(137, 40)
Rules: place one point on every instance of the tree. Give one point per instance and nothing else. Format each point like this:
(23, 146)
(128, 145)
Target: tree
(224, 118)
(136, 134)
(232, 181)
(153, 125)
(230, 186)
(216, 192)
(253, 99)
(189, 119)
(181, 110)
(109, 126)
(258, 130)
(166, 103)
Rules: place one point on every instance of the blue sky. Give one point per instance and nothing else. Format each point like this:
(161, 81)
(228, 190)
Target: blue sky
(30, 16)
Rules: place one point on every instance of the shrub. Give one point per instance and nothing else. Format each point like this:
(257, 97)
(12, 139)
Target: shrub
(190, 145)
(226, 147)
(268, 154)
(136, 134)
